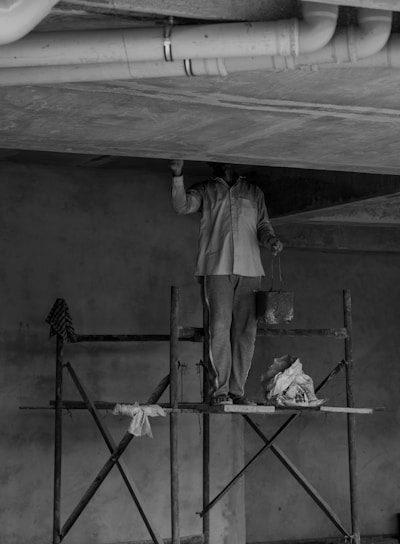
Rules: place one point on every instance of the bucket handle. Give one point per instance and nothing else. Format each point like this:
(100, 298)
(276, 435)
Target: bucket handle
(279, 270)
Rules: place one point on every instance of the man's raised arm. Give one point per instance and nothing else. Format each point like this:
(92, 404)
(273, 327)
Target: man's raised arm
(183, 201)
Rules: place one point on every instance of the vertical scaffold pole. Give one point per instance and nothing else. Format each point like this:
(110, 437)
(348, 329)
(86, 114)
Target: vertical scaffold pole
(58, 439)
(174, 336)
(351, 418)
(206, 426)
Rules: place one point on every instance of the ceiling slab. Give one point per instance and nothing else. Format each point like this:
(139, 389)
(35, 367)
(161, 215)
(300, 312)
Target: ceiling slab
(345, 119)
(342, 118)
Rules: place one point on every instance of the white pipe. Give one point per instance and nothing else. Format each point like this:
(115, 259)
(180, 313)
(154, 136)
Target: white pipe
(348, 45)
(18, 17)
(355, 42)
(317, 26)
(370, 34)
(286, 37)
(387, 57)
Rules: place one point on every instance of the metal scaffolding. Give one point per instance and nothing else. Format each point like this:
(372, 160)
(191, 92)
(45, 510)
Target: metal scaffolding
(177, 334)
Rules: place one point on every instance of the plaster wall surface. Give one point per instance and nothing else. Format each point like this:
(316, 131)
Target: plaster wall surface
(280, 509)
(110, 244)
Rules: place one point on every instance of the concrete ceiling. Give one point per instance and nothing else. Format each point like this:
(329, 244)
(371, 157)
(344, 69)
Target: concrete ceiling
(342, 119)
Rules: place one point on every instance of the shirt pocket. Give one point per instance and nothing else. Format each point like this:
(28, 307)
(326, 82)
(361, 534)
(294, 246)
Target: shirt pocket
(248, 207)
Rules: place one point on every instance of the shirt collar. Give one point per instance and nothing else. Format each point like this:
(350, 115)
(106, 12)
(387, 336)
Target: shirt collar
(221, 180)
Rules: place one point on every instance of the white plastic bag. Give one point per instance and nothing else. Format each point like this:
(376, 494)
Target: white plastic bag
(285, 384)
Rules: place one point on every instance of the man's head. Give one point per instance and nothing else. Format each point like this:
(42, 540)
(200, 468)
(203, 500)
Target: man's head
(222, 170)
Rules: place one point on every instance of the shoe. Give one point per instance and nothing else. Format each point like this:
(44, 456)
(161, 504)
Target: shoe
(220, 400)
(243, 401)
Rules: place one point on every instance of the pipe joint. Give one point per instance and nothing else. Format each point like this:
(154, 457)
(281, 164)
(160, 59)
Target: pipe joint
(208, 67)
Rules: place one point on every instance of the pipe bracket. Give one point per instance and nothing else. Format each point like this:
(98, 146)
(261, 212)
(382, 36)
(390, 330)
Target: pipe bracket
(294, 37)
(352, 44)
(167, 44)
(187, 64)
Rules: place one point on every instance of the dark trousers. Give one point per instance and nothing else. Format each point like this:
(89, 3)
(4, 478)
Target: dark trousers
(231, 303)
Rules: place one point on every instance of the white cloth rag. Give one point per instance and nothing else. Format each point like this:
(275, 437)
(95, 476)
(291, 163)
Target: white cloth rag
(140, 424)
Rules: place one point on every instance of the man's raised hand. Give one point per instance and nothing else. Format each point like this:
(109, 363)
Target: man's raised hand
(176, 167)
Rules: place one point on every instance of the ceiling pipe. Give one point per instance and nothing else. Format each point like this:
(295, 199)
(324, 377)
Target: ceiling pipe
(18, 17)
(174, 43)
(388, 57)
(367, 37)
(355, 42)
(348, 45)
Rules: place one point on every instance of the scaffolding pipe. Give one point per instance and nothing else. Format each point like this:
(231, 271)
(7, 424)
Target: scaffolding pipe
(351, 419)
(105, 470)
(206, 426)
(174, 363)
(58, 439)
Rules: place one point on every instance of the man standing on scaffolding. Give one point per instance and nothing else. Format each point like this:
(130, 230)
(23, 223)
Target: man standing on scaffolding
(234, 223)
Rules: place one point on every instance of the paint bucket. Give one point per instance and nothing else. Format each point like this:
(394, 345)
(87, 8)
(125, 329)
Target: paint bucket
(275, 307)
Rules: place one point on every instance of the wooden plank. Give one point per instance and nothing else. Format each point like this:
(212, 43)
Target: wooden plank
(347, 410)
(186, 408)
(237, 409)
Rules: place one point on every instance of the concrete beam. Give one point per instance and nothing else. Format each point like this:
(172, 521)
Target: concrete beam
(340, 238)
(391, 5)
(379, 210)
(251, 10)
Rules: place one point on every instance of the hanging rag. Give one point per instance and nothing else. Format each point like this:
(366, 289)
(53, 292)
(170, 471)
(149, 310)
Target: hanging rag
(60, 321)
(140, 424)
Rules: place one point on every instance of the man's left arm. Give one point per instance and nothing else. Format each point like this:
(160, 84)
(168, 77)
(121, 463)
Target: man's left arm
(265, 231)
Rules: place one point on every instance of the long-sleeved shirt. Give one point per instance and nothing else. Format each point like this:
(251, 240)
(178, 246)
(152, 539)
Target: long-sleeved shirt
(234, 221)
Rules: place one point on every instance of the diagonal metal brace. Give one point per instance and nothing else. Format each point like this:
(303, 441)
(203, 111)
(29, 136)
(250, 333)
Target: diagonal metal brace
(269, 442)
(305, 484)
(123, 469)
(116, 453)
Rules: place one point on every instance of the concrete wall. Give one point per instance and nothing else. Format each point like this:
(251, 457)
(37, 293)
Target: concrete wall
(278, 508)
(109, 243)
